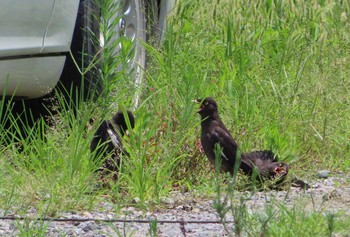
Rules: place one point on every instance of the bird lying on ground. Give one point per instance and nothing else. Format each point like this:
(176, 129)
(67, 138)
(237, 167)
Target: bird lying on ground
(266, 163)
(107, 141)
(214, 132)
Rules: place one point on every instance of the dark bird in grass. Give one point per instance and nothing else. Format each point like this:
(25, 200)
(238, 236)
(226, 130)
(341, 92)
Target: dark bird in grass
(107, 141)
(266, 164)
(214, 133)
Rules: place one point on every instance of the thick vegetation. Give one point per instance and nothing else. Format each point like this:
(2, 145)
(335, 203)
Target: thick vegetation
(279, 71)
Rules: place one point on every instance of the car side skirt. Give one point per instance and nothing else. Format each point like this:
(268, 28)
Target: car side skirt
(44, 75)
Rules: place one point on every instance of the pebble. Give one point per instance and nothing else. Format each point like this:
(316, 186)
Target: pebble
(323, 174)
(169, 202)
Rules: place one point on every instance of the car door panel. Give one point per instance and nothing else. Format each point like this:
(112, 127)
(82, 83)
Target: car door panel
(23, 26)
(60, 29)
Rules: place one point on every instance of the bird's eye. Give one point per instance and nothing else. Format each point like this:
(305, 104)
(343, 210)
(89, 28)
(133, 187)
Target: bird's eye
(280, 165)
(206, 103)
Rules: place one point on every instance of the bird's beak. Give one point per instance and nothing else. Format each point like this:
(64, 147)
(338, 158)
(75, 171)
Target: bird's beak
(198, 101)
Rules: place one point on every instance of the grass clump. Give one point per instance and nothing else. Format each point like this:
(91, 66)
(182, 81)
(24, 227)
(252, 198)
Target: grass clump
(272, 66)
(279, 71)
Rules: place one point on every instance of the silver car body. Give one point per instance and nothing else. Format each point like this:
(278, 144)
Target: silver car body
(32, 36)
(35, 38)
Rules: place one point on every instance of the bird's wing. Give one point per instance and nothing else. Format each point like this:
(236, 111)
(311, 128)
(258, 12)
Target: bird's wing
(100, 136)
(113, 136)
(229, 147)
(265, 156)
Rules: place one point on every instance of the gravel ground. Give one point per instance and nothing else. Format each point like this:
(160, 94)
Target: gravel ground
(326, 194)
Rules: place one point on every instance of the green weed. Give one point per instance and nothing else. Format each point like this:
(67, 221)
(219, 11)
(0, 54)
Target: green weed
(279, 71)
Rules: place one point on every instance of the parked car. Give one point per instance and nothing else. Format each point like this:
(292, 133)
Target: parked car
(36, 38)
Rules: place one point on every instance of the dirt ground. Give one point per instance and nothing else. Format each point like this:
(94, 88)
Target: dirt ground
(189, 214)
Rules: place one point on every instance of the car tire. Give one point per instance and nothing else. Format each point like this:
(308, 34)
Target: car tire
(139, 22)
(80, 78)
(139, 64)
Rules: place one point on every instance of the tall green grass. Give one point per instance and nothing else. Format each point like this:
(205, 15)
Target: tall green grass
(278, 69)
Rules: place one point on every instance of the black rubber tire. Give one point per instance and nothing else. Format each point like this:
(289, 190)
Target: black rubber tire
(84, 47)
(86, 39)
(146, 31)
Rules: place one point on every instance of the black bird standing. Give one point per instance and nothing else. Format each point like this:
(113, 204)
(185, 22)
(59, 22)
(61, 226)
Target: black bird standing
(214, 132)
(107, 141)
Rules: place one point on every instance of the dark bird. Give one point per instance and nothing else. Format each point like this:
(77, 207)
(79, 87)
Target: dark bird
(266, 164)
(107, 141)
(214, 132)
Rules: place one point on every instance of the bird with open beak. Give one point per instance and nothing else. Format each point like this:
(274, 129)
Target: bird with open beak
(215, 134)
